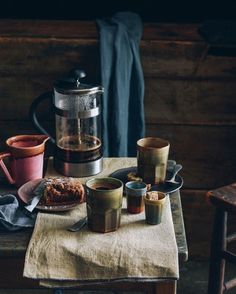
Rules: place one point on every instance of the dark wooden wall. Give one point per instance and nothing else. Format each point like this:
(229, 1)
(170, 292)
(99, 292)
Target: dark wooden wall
(149, 10)
(189, 100)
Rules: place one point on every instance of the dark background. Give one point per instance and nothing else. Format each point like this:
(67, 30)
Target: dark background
(149, 10)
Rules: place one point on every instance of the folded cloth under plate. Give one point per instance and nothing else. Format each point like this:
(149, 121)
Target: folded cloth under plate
(13, 217)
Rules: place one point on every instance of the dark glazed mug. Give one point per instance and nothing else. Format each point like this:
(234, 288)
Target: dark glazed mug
(104, 203)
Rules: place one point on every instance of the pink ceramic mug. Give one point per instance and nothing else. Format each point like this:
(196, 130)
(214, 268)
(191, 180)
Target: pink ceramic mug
(26, 154)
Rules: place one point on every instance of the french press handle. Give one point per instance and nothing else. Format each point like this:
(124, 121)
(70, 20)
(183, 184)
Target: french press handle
(33, 116)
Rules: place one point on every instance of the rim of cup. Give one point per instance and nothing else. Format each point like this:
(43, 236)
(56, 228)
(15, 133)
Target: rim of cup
(138, 185)
(152, 143)
(106, 180)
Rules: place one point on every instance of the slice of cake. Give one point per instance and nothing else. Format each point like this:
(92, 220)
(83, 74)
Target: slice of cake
(62, 191)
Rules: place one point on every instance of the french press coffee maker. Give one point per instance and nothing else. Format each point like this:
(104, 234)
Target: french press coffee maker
(77, 108)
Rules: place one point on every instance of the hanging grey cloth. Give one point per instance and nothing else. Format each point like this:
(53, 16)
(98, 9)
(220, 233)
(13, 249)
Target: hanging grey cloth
(122, 77)
(12, 216)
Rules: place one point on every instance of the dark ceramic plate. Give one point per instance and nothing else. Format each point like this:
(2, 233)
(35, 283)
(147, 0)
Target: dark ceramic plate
(169, 187)
(166, 187)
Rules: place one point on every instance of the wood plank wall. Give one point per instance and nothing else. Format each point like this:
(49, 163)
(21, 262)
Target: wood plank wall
(189, 100)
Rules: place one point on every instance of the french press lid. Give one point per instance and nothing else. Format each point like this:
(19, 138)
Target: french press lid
(71, 84)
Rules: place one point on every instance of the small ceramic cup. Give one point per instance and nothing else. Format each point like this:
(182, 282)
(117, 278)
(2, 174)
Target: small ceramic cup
(152, 156)
(154, 207)
(135, 192)
(104, 203)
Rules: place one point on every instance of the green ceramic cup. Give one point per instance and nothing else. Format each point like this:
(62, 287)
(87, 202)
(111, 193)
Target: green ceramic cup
(152, 156)
(104, 203)
(154, 209)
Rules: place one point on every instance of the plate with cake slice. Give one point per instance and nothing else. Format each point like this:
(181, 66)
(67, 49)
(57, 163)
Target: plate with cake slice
(56, 194)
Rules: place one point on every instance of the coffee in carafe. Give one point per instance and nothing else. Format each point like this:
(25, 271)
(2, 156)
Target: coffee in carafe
(77, 149)
(77, 108)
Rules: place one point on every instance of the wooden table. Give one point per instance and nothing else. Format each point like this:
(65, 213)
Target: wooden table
(13, 246)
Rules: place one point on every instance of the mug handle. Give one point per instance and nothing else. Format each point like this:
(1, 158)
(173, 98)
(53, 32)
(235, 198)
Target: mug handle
(4, 168)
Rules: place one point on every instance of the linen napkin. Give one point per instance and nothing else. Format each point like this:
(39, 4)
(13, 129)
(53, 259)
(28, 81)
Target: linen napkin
(60, 258)
(136, 251)
(12, 216)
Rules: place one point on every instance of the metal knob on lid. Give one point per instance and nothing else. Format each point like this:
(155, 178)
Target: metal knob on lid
(71, 84)
(78, 74)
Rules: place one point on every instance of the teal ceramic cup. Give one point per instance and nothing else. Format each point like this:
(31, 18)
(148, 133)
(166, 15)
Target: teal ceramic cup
(104, 203)
(154, 209)
(135, 192)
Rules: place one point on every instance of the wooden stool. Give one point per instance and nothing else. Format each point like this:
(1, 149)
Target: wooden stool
(224, 200)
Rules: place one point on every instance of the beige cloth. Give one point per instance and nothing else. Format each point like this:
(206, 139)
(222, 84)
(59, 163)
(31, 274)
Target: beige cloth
(109, 166)
(135, 251)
